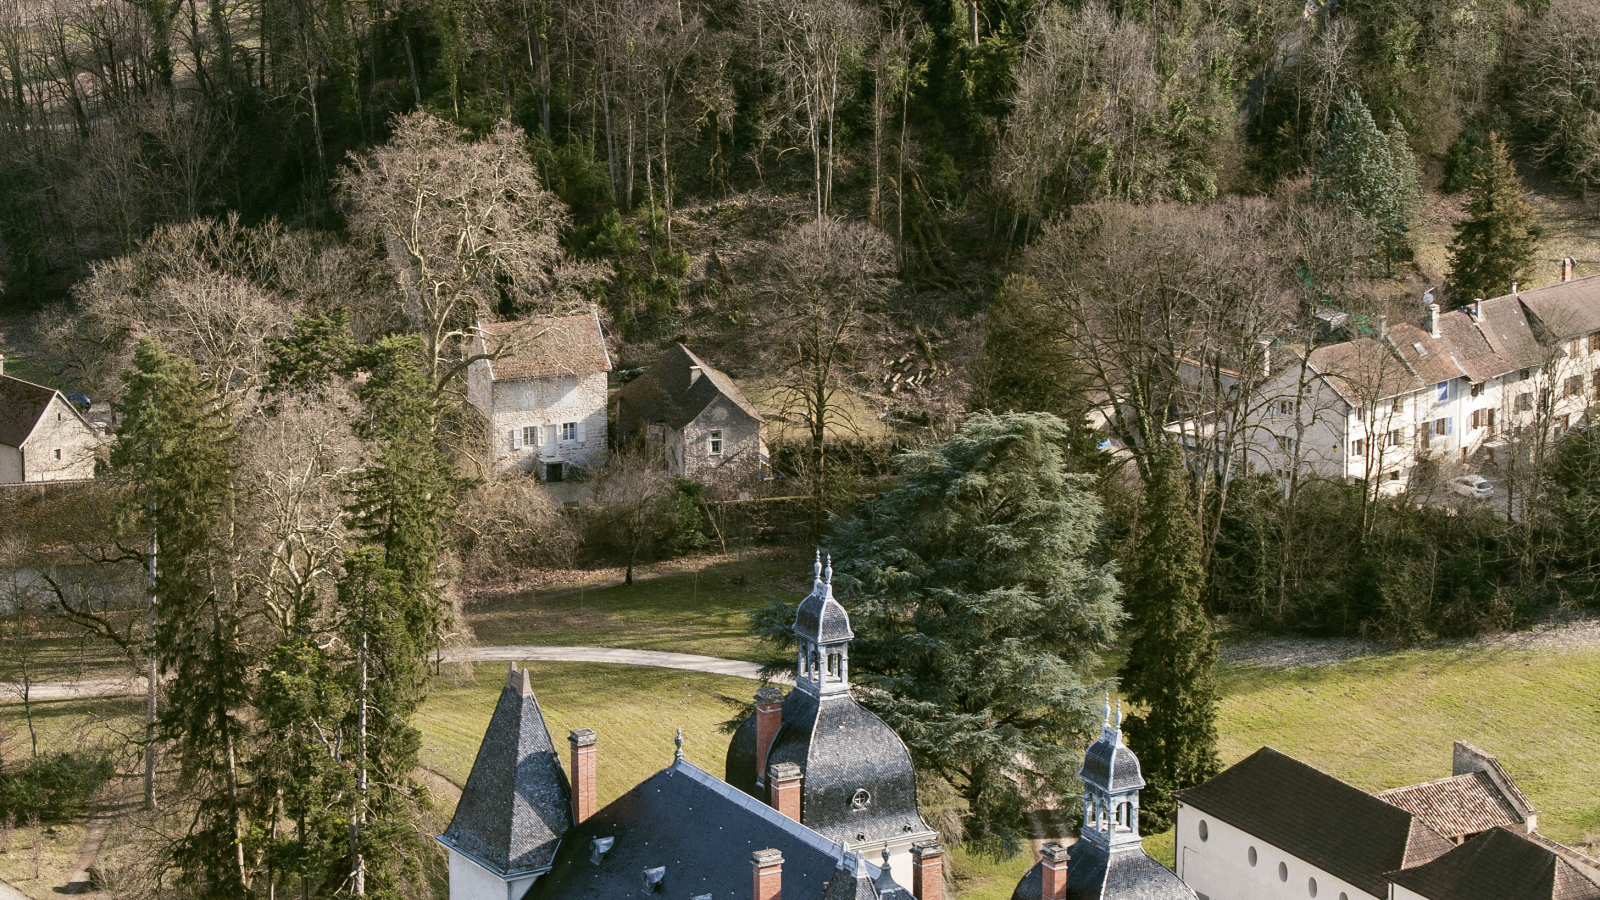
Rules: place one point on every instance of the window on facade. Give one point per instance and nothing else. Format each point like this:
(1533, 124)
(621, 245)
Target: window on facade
(1524, 401)
(1594, 342)
(1205, 831)
(1597, 384)
(1358, 447)
(530, 435)
(1563, 423)
(1572, 349)
(58, 454)
(1283, 871)
(1311, 887)
(1399, 404)
(1285, 407)
(1251, 855)
(715, 440)
(1477, 389)
(1444, 391)
(1442, 426)
(1574, 385)
(569, 431)
(1395, 475)
(1396, 438)
(1285, 444)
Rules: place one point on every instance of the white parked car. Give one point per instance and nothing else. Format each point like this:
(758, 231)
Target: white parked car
(1472, 486)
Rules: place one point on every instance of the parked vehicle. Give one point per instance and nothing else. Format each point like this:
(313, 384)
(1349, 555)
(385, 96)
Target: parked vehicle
(1472, 486)
(81, 401)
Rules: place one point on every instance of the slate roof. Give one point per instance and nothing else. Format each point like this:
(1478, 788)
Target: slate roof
(841, 748)
(517, 804)
(1499, 865)
(1123, 874)
(702, 831)
(1458, 806)
(1340, 829)
(539, 348)
(820, 618)
(1109, 764)
(1566, 309)
(21, 405)
(665, 393)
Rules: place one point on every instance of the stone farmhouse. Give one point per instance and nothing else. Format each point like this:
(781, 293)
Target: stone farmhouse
(1273, 828)
(832, 816)
(42, 436)
(541, 389)
(686, 412)
(1453, 386)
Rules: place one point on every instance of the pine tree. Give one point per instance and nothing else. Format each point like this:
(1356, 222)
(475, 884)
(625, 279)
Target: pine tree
(1373, 175)
(1170, 658)
(175, 445)
(1494, 246)
(979, 594)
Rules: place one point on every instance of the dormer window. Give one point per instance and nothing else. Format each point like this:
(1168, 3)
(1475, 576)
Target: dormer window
(1421, 351)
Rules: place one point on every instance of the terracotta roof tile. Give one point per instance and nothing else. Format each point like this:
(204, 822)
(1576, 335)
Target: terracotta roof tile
(539, 348)
(1567, 309)
(1456, 807)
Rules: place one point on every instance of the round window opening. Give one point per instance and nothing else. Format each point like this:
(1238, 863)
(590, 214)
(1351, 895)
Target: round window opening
(1283, 871)
(861, 799)
(1205, 833)
(1252, 856)
(1311, 887)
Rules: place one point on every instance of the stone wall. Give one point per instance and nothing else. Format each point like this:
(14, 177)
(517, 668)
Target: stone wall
(62, 446)
(547, 404)
(740, 459)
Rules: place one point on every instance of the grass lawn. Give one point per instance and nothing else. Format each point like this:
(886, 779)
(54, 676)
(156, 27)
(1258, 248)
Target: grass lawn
(701, 611)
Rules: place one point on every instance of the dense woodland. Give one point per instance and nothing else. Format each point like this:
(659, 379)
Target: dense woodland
(261, 229)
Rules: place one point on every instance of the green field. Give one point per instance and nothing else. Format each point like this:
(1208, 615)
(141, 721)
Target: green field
(684, 612)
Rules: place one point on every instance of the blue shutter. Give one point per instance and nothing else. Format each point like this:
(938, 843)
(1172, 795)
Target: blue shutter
(1450, 425)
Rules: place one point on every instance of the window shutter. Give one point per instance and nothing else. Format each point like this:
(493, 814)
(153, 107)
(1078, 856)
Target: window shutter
(516, 438)
(1450, 425)
(580, 432)
(538, 435)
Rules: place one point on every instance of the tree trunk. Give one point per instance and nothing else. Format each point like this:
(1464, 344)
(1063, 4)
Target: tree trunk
(150, 686)
(358, 869)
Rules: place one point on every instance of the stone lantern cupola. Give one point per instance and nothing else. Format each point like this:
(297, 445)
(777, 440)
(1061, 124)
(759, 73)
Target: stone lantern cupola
(822, 631)
(1111, 785)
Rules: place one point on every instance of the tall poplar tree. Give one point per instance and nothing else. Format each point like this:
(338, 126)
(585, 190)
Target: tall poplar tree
(1168, 673)
(1494, 245)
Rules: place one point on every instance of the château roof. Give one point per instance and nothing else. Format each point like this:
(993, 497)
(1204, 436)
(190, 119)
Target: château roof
(1501, 865)
(1457, 806)
(1109, 764)
(1314, 816)
(1093, 873)
(516, 805)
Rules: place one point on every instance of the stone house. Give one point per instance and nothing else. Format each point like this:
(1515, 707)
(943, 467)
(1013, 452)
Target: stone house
(42, 436)
(694, 417)
(1452, 386)
(834, 819)
(542, 393)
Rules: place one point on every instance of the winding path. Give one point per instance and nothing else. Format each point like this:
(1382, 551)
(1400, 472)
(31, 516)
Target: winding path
(123, 687)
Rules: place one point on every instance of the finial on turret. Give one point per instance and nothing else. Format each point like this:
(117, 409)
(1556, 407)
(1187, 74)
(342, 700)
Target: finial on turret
(1119, 713)
(828, 577)
(816, 570)
(1106, 710)
(677, 743)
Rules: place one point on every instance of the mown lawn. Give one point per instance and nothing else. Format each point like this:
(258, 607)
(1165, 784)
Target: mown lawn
(702, 611)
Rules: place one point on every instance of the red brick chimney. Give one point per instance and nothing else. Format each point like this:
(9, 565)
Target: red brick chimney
(768, 866)
(783, 788)
(927, 871)
(1567, 265)
(769, 715)
(584, 743)
(1053, 866)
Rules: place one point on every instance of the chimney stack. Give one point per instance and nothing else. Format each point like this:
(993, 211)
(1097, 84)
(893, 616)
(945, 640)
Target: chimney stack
(927, 871)
(1383, 328)
(1266, 357)
(2, 363)
(1053, 866)
(1567, 267)
(769, 715)
(768, 866)
(584, 743)
(1477, 309)
(1433, 320)
(783, 787)
(694, 374)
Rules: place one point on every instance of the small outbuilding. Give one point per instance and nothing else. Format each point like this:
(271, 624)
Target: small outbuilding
(43, 437)
(693, 416)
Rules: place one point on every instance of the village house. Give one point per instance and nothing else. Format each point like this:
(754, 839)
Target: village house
(1457, 384)
(1273, 828)
(541, 388)
(43, 437)
(833, 815)
(693, 417)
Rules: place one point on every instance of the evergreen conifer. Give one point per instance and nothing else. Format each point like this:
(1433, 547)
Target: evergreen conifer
(1371, 174)
(1494, 245)
(1168, 673)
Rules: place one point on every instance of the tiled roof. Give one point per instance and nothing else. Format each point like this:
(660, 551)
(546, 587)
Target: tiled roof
(1567, 309)
(1340, 829)
(702, 831)
(1363, 370)
(1456, 807)
(21, 405)
(1094, 874)
(1499, 865)
(516, 804)
(667, 393)
(539, 348)
(1433, 362)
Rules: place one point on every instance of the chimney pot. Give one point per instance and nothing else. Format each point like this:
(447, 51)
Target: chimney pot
(1433, 320)
(1383, 327)
(783, 787)
(694, 374)
(768, 866)
(1477, 309)
(769, 716)
(927, 871)
(1567, 267)
(1266, 357)
(1053, 865)
(584, 743)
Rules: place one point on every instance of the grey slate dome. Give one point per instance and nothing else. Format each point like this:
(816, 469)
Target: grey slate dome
(820, 619)
(1108, 764)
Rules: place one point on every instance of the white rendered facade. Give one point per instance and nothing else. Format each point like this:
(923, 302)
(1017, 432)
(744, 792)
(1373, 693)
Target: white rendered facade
(470, 880)
(1219, 866)
(60, 447)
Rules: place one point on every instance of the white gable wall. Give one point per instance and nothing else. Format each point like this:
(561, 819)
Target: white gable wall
(61, 447)
(470, 881)
(1219, 867)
